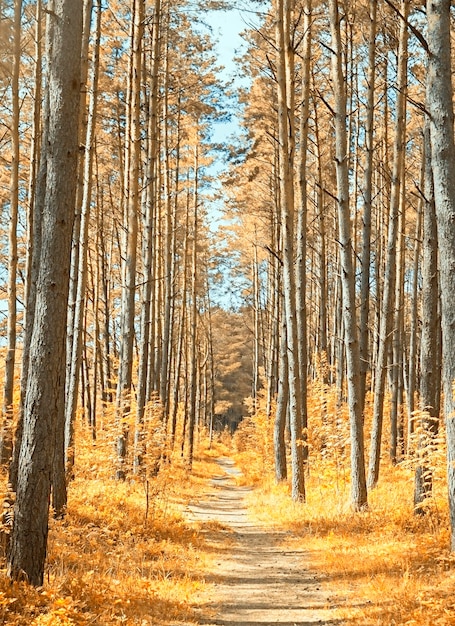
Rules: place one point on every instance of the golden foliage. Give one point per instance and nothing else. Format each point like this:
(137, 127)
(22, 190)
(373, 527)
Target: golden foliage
(385, 565)
(123, 554)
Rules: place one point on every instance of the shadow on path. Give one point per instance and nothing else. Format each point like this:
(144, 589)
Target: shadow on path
(255, 581)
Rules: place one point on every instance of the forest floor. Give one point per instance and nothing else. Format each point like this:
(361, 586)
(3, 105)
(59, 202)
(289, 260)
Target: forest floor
(258, 575)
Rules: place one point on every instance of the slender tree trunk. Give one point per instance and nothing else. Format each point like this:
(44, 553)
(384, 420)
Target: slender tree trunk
(301, 247)
(414, 321)
(285, 77)
(358, 482)
(168, 262)
(151, 207)
(36, 198)
(367, 204)
(385, 323)
(192, 353)
(6, 438)
(281, 409)
(430, 352)
(133, 150)
(79, 309)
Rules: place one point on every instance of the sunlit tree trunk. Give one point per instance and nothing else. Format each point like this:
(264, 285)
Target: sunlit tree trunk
(44, 401)
(440, 106)
(322, 249)
(367, 204)
(430, 350)
(79, 310)
(358, 482)
(397, 344)
(168, 259)
(192, 352)
(36, 194)
(282, 406)
(415, 300)
(133, 150)
(301, 247)
(386, 317)
(286, 134)
(181, 335)
(76, 251)
(150, 209)
(6, 437)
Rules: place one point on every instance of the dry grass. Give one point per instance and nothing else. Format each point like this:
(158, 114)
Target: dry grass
(385, 566)
(123, 554)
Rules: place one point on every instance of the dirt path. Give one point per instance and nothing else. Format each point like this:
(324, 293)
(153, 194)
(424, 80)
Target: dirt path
(257, 581)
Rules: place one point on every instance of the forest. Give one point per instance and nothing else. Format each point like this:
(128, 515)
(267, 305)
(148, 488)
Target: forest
(227, 321)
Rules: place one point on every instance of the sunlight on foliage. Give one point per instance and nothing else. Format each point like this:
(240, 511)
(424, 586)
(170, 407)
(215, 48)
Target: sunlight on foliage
(123, 554)
(385, 565)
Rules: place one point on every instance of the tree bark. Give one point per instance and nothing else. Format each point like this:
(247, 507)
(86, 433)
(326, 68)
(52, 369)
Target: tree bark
(44, 400)
(286, 132)
(132, 175)
(367, 204)
(358, 483)
(6, 439)
(430, 347)
(440, 107)
(385, 323)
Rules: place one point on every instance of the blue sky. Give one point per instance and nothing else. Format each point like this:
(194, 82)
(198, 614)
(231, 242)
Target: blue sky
(227, 26)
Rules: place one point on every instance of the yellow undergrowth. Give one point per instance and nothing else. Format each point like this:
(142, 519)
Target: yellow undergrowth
(384, 566)
(123, 554)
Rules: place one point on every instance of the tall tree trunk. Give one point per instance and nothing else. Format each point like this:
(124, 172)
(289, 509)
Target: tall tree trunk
(440, 106)
(168, 259)
(151, 208)
(6, 438)
(430, 350)
(44, 401)
(282, 407)
(192, 353)
(286, 132)
(358, 482)
(132, 175)
(79, 309)
(301, 247)
(414, 316)
(367, 204)
(385, 323)
(35, 209)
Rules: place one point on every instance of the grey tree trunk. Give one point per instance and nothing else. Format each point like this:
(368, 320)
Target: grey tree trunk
(367, 204)
(79, 310)
(151, 207)
(440, 106)
(282, 406)
(430, 347)
(301, 244)
(358, 482)
(35, 210)
(44, 400)
(285, 74)
(192, 352)
(385, 323)
(132, 175)
(6, 438)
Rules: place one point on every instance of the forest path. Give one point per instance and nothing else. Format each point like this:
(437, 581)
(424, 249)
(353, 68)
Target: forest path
(256, 580)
